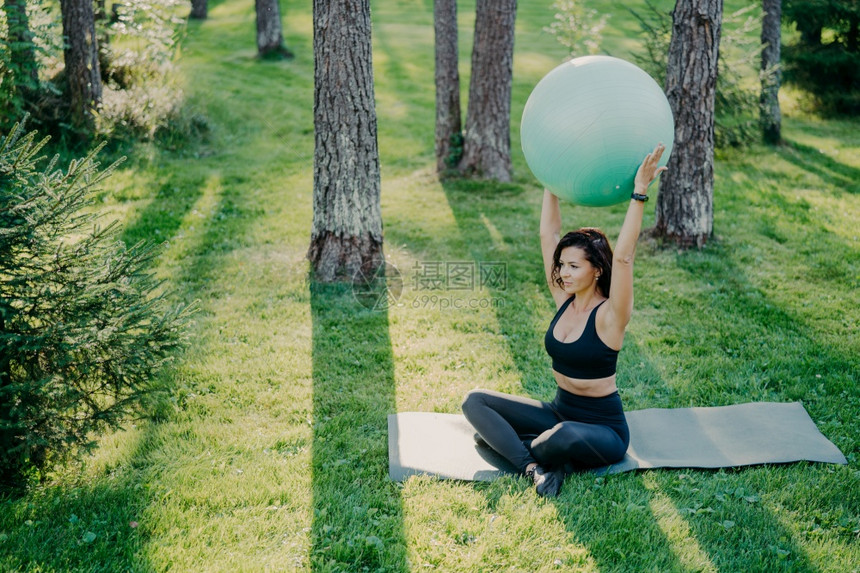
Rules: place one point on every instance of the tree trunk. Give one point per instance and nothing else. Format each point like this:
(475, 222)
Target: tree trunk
(22, 51)
(82, 61)
(270, 37)
(487, 139)
(198, 10)
(685, 204)
(347, 224)
(449, 130)
(770, 71)
(102, 36)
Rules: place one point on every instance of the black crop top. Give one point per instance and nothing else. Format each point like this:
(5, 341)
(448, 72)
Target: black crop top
(585, 358)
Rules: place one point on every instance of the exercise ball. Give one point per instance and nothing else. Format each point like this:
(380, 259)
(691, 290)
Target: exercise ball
(589, 123)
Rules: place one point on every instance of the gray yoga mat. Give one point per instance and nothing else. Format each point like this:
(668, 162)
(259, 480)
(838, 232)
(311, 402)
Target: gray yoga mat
(443, 445)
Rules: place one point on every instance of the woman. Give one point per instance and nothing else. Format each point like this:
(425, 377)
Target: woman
(584, 426)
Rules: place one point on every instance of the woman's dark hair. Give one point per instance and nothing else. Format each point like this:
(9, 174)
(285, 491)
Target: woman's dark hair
(597, 251)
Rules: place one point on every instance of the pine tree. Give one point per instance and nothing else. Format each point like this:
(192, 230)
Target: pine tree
(22, 50)
(84, 330)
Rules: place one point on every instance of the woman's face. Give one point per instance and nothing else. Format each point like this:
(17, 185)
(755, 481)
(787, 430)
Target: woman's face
(576, 272)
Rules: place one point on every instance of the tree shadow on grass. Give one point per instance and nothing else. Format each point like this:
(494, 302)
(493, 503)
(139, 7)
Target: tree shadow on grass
(760, 350)
(76, 529)
(355, 505)
(761, 337)
(475, 208)
(833, 172)
(163, 215)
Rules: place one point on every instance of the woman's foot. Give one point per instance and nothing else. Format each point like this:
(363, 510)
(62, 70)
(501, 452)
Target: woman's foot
(547, 483)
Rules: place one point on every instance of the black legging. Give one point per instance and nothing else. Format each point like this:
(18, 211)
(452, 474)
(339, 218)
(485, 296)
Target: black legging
(571, 430)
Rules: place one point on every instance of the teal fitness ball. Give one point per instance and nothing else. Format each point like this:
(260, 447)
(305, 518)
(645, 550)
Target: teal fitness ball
(589, 123)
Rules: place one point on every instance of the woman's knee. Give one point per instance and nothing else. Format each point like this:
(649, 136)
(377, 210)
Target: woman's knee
(600, 444)
(473, 401)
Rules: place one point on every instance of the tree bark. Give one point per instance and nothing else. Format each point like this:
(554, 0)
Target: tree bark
(487, 139)
(22, 51)
(81, 56)
(685, 204)
(270, 37)
(102, 36)
(199, 10)
(449, 130)
(346, 237)
(770, 115)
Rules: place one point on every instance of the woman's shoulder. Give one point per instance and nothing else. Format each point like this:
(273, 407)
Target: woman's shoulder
(608, 327)
(561, 298)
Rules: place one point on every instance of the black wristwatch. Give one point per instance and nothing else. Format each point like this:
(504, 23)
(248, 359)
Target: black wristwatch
(639, 197)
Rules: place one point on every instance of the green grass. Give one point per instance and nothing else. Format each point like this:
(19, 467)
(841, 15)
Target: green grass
(271, 454)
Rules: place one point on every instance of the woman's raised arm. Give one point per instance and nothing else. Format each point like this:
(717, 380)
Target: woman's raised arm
(621, 291)
(550, 234)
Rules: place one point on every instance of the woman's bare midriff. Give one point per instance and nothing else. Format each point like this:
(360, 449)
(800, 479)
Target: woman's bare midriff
(597, 388)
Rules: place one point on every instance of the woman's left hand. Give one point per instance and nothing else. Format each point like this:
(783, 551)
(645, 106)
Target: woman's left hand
(648, 171)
